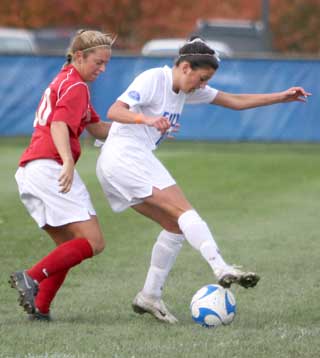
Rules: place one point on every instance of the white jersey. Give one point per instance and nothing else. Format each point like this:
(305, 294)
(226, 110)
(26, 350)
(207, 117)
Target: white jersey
(151, 93)
(127, 169)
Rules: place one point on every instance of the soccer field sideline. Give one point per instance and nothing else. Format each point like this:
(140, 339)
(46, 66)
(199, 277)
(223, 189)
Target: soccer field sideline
(260, 200)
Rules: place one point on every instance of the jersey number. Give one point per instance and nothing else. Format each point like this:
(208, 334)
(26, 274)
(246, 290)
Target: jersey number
(44, 109)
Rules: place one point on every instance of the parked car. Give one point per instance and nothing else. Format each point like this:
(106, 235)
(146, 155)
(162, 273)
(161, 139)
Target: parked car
(53, 40)
(17, 41)
(170, 47)
(244, 37)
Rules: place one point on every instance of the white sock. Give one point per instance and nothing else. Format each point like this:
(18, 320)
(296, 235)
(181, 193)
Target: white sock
(163, 257)
(199, 236)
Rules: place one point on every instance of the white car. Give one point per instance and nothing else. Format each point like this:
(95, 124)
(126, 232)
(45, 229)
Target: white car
(17, 41)
(170, 47)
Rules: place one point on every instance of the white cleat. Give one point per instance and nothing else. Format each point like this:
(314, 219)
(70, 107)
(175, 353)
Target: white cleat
(232, 274)
(156, 307)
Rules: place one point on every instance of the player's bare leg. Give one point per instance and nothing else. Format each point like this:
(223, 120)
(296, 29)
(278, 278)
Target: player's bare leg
(172, 211)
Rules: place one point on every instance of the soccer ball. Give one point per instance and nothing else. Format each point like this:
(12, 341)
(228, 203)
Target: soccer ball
(212, 306)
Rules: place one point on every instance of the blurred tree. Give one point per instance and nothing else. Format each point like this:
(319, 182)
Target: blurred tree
(294, 23)
(178, 19)
(118, 16)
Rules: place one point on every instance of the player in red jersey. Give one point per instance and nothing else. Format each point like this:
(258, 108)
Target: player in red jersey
(48, 182)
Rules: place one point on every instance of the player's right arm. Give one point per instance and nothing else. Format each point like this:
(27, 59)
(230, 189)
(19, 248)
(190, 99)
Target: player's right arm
(60, 135)
(120, 112)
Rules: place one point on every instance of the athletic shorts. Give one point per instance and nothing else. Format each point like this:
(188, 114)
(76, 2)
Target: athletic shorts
(39, 191)
(128, 172)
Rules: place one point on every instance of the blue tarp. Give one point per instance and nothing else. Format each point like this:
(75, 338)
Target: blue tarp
(24, 78)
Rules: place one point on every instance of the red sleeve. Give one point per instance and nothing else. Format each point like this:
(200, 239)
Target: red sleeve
(94, 115)
(72, 106)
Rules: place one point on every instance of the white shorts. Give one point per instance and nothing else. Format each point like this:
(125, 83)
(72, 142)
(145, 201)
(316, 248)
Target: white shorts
(127, 173)
(39, 191)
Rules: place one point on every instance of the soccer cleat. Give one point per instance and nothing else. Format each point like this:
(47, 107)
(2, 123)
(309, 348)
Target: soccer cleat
(38, 316)
(156, 307)
(232, 274)
(27, 289)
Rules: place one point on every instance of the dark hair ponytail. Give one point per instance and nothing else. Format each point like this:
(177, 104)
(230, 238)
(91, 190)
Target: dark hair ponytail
(198, 54)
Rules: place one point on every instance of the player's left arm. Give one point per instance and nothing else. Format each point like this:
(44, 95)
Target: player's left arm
(99, 130)
(245, 101)
(60, 136)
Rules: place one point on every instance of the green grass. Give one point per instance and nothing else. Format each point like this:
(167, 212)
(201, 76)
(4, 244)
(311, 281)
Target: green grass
(262, 202)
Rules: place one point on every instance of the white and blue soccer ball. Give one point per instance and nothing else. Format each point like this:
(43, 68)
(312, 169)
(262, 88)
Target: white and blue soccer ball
(213, 306)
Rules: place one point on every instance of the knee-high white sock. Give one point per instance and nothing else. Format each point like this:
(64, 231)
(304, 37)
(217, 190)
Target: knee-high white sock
(198, 235)
(164, 254)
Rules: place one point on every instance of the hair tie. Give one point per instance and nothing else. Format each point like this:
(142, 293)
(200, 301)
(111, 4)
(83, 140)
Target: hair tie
(201, 54)
(98, 46)
(197, 39)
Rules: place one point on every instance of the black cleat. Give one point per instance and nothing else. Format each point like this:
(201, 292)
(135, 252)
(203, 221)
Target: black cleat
(232, 274)
(38, 316)
(27, 290)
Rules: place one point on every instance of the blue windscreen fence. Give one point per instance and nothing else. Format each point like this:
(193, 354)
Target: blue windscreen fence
(24, 78)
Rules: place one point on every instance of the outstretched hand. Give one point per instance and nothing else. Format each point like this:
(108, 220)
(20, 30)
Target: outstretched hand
(295, 94)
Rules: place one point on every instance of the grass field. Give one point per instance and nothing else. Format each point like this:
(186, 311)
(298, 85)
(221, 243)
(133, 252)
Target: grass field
(262, 202)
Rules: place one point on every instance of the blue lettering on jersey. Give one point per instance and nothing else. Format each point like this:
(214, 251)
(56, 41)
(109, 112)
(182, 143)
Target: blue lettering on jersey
(134, 95)
(173, 119)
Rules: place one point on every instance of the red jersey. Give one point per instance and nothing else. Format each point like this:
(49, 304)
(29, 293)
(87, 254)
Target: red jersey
(67, 99)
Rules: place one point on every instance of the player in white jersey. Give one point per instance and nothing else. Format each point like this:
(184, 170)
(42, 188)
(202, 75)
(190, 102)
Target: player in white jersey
(131, 176)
